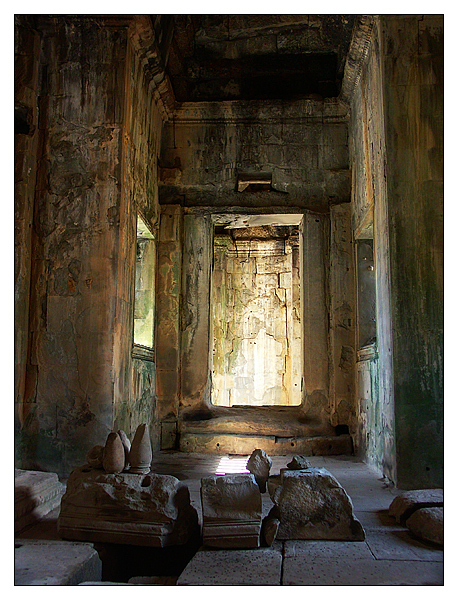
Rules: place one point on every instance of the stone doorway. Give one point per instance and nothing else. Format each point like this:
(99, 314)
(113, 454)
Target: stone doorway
(256, 316)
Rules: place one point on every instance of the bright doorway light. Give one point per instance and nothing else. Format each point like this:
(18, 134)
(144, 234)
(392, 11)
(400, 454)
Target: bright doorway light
(229, 464)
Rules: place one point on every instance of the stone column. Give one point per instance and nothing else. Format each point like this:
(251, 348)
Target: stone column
(315, 228)
(168, 334)
(342, 318)
(196, 330)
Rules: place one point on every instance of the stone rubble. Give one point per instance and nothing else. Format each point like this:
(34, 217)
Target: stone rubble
(299, 462)
(231, 511)
(259, 465)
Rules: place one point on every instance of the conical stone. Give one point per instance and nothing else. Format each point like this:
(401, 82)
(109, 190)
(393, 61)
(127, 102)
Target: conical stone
(113, 454)
(126, 443)
(141, 454)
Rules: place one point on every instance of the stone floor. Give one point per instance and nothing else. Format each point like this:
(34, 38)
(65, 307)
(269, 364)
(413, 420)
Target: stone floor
(388, 556)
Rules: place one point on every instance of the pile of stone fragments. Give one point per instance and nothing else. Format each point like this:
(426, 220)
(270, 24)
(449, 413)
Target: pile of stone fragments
(116, 498)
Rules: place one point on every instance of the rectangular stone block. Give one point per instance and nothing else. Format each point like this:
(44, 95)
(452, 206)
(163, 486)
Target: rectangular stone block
(231, 511)
(336, 571)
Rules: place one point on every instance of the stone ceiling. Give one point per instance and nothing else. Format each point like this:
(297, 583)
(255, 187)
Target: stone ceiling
(255, 57)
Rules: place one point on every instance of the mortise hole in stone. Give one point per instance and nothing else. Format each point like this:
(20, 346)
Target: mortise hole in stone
(146, 481)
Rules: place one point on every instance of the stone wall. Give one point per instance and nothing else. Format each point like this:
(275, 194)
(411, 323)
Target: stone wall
(26, 139)
(91, 146)
(397, 157)
(414, 103)
(302, 145)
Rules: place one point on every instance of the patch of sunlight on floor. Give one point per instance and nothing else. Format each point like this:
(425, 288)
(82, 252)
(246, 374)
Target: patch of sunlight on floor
(229, 464)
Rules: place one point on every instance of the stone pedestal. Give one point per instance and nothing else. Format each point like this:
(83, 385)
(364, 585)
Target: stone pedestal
(231, 511)
(126, 508)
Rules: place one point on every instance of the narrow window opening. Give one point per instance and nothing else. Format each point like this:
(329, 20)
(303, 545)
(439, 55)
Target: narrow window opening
(145, 270)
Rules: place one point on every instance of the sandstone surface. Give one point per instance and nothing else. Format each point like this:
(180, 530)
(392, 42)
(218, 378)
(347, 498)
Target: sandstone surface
(232, 511)
(259, 465)
(126, 508)
(312, 505)
(428, 524)
(35, 495)
(299, 462)
(141, 454)
(113, 457)
(404, 505)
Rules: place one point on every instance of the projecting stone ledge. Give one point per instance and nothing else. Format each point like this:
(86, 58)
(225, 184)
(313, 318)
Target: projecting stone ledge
(231, 511)
(126, 508)
(272, 445)
(312, 505)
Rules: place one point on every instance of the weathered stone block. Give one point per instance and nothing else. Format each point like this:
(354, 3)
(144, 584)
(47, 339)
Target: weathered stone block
(35, 495)
(404, 505)
(428, 524)
(311, 504)
(231, 511)
(126, 508)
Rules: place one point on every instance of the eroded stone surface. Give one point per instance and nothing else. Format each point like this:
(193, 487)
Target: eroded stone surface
(269, 530)
(231, 511)
(404, 505)
(35, 495)
(126, 508)
(299, 462)
(428, 524)
(311, 504)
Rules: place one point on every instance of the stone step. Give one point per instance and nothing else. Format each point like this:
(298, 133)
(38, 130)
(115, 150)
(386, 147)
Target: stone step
(39, 562)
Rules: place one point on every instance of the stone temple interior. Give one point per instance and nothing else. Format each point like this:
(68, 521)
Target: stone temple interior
(230, 228)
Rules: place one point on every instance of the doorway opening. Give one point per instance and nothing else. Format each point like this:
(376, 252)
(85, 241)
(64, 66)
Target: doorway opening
(256, 315)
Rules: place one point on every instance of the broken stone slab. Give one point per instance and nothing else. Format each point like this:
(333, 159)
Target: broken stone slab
(35, 495)
(55, 563)
(428, 524)
(404, 505)
(126, 508)
(259, 465)
(299, 462)
(231, 511)
(312, 505)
